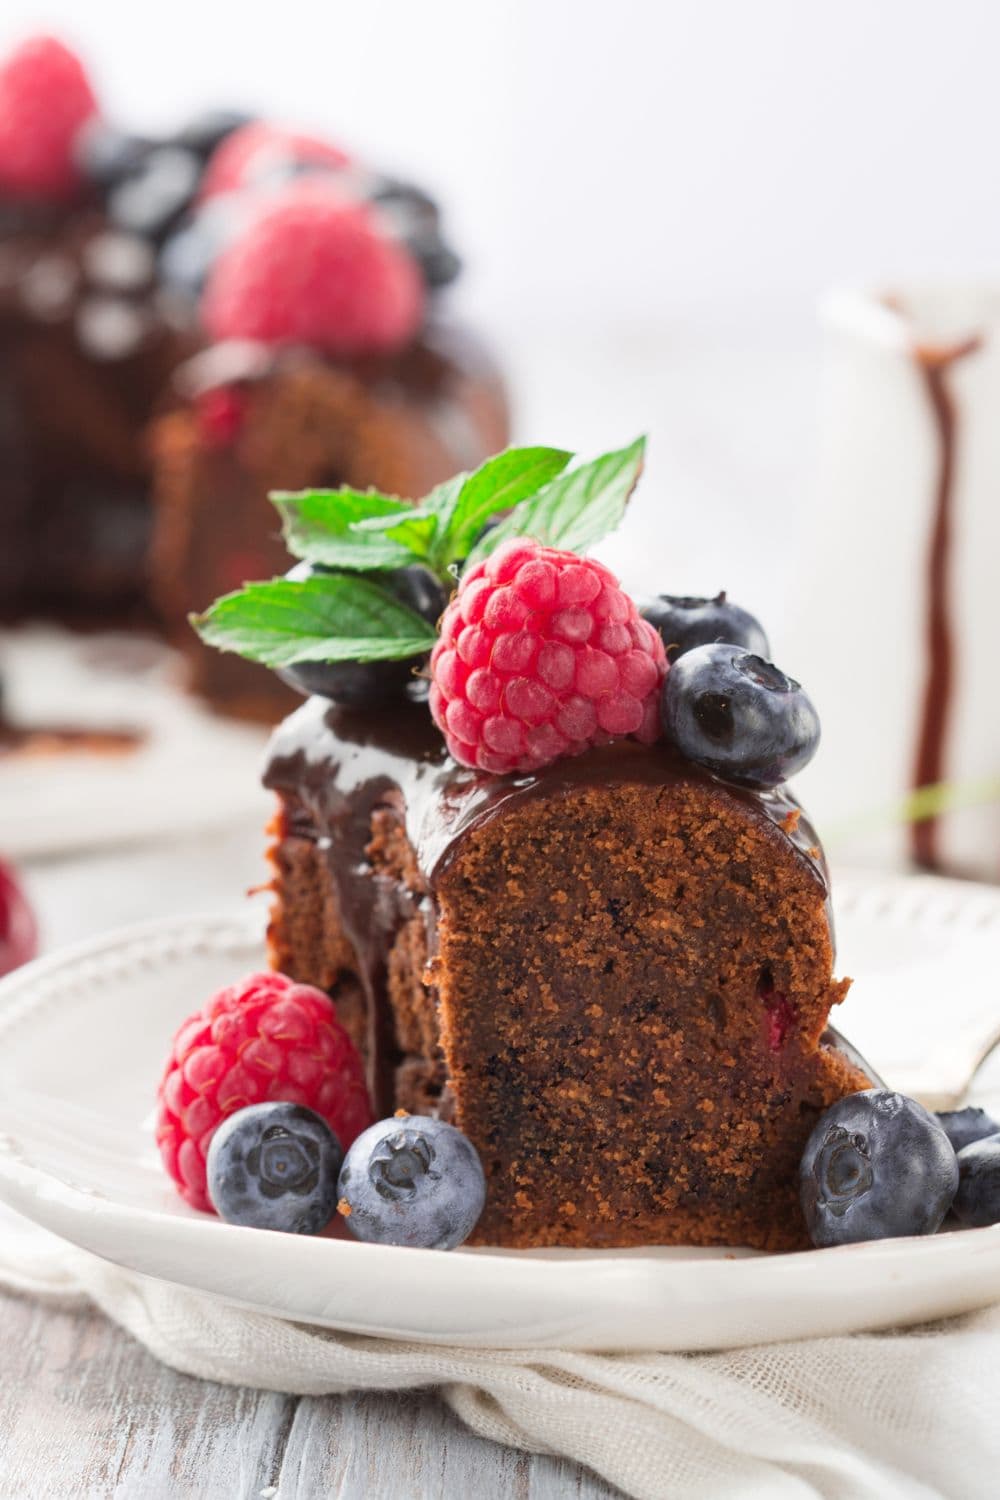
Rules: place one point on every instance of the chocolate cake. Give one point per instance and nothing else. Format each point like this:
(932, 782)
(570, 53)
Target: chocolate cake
(108, 244)
(256, 419)
(614, 974)
(85, 352)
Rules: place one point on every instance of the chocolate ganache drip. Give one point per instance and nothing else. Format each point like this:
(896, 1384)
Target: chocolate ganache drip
(935, 365)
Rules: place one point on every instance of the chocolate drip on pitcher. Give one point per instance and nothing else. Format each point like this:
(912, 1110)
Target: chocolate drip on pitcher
(935, 365)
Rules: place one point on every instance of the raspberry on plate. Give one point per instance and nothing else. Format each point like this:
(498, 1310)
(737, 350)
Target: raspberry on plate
(265, 1039)
(45, 97)
(542, 654)
(315, 268)
(18, 929)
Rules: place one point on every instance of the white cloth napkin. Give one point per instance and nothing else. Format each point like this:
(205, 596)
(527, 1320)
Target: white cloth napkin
(910, 1414)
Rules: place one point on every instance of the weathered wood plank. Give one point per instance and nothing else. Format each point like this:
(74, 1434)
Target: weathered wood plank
(85, 1411)
(411, 1447)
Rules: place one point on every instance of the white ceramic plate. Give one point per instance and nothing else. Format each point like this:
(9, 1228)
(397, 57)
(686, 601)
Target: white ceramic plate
(82, 1039)
(192, 770)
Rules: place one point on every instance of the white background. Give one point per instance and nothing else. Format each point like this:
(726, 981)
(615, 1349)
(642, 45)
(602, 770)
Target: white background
(614, 159)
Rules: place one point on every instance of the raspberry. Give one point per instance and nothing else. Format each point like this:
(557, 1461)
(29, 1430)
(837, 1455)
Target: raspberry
(18, 929)
(220, 412)
(265, 1039)
(315, 269)
(45, 96)
(542, 654)
(248, 154)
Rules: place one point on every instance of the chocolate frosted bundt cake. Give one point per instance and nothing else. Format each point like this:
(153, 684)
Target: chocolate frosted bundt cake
(564, 899)
(271, 300)
(257, 419)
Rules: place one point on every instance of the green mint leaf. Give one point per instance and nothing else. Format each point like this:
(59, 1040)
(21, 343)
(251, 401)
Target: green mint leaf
(574, 510)
(420, 527)
(333, 617)
(414, 530)
(498, 484)
(323, 527)
(439, 502)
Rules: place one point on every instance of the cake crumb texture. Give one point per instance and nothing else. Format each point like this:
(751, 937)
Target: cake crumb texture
(618, 993)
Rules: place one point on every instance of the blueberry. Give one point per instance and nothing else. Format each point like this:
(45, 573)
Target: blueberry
(414, 217)
(877, 1165)
(963, 1126)
(151, 200)
(412, 1181)
(275, 1166)
(355, 684)
(977, 1201)
(107, 156)
(408, 205)
(209, 129)
(738, 715)
(438, 263)
(188, 255)
(419, 589)
(684, 622)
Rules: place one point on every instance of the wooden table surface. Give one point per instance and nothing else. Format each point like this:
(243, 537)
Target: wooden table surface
(86, 1411)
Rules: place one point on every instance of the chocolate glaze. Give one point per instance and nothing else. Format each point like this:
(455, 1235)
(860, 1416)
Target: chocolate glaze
(335, 768)
(934, 365)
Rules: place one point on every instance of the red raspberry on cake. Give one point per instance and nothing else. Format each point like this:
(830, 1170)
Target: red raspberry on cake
(542, 654)
(265, 1039)
(45, 96)
(314, 268)
(248, 154)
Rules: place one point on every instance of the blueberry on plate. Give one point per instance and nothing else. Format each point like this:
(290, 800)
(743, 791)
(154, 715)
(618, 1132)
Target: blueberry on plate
(684, 622)
(738, 715)
(356, 684)
(963, 1126)
(275, 1166)
(977, 1202)
(877, 1166)
(412, 1181)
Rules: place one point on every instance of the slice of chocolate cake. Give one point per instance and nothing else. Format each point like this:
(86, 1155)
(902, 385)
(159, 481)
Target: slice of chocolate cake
(613, 974)
(565, 902)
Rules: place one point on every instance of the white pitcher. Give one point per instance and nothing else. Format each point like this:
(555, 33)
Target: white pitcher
(898, 597)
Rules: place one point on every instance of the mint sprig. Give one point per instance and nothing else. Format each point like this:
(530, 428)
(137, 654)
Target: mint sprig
(441, 530)
(348, 610)
(323, 526)
(575, 510)
(330, 617)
